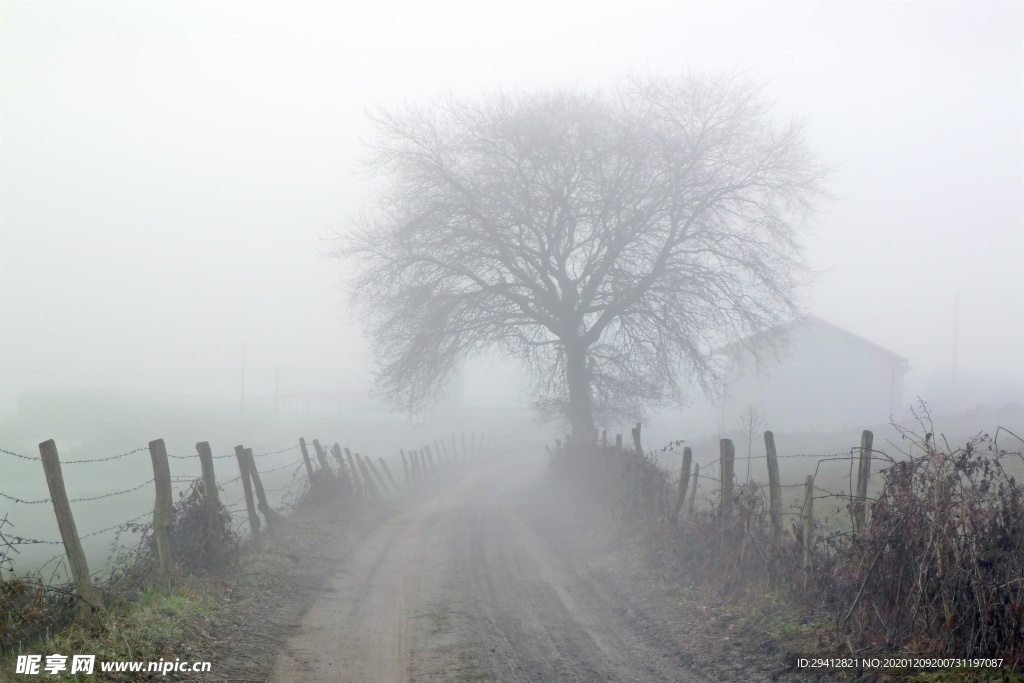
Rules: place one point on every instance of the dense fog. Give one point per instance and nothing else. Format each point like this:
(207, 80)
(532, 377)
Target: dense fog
(172, 176)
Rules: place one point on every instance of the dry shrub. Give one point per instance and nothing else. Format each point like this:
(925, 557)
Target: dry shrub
(938, 570)
(29, 604)
(190, 532)
(941, 565)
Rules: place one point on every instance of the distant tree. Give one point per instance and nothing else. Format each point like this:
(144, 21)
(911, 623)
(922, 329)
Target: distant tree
(752, 423)
(609, 239)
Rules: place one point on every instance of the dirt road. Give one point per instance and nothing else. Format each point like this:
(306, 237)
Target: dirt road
(471, 585)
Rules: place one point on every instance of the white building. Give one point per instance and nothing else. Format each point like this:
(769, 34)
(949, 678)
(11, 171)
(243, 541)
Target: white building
(820, 377)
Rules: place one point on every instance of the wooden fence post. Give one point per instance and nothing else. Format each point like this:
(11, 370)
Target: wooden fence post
(727, 458)
(343, 475)
(387, 471)
(305, 458)
(636, 440)
(379, 479)
(77, 564)
(447, 457)
(863, 475)
(214, 524)
(163, 510)
(321, 457)
(684, 482)
(357, 478)
(414, 467)
(693, 491)
(250, 505)
(774, 505)
(430, 457)
(405, 468)
(275, 520)
(371, 488)
(455, 450)
(808, 523)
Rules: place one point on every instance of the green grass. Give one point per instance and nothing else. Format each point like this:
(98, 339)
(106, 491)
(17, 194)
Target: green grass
(160, 622)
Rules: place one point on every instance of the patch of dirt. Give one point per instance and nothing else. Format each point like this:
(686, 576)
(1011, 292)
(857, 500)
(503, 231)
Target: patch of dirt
(275, 588)
(478, 584)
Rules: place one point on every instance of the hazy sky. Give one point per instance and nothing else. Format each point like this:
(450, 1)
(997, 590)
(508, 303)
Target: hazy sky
(167, 170)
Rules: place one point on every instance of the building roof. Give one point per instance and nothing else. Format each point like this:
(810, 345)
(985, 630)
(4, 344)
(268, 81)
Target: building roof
(806, 322)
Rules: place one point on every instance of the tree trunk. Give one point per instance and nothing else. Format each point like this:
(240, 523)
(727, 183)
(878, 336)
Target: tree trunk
(577, 377)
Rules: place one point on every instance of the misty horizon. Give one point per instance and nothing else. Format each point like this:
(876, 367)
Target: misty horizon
(169, 176)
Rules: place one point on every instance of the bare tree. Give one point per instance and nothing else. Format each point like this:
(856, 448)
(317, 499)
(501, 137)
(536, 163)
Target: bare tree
(610, 240)
(752, 423)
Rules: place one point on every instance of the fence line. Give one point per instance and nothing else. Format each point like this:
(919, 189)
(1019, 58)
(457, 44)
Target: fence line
(360, 475)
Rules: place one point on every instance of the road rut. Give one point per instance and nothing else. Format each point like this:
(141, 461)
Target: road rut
(469, 585)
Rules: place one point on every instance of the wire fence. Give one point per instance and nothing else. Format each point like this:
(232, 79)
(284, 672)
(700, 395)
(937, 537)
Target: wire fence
(286, 481)
(181, 483)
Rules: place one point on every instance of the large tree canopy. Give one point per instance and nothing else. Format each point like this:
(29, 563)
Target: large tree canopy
(608, 239)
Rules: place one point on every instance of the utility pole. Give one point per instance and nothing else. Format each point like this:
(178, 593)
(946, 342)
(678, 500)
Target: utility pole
(277, 392)
(241, 397)
(956, 351)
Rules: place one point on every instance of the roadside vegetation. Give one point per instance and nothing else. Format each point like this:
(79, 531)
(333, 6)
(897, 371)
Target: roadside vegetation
(232, 613)
(936, 568)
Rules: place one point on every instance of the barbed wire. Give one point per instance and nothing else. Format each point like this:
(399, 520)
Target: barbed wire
(83, 461)
(119, 526)
(294, 463)
(23, 502)
(107, 459)
(115, 493)
(21, 540)
(19, 455)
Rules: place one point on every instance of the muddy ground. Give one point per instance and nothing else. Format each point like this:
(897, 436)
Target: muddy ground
(488, 577)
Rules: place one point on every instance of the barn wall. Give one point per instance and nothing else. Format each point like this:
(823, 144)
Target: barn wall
(825, 380)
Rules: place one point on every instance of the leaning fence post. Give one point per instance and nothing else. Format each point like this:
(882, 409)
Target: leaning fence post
(322, 459)
(405, 468)
(305, 459)
(684, 482)
(414, 467)
(250, 505)
(863, 474)
(163, 511)
(774, 504)
(727, 457)
(455, 449)
(383, 485)
(430, 458)
(387, 471)
(808, 520)
(274, 519)
(357, 476)
(66, 522)
(343, 475)
(371, 488)
(214, 525)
